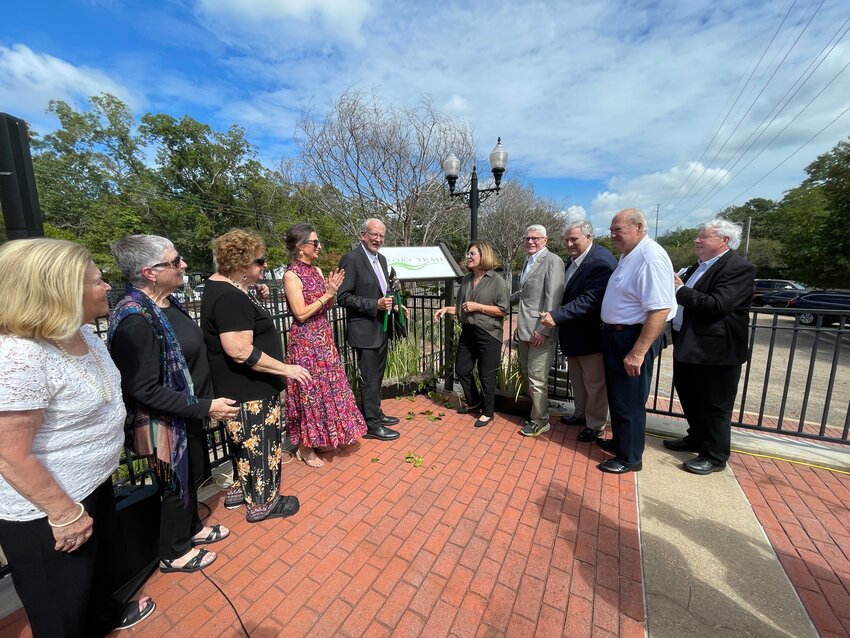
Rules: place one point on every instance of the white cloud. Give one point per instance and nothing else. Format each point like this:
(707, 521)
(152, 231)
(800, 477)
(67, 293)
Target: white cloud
(29, 80)
(284, 24)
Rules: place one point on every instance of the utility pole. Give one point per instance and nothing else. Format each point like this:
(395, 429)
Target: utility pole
(747, 237)
(656, 220)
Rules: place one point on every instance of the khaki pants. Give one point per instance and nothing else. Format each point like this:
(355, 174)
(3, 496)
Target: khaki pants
(536, 363)
(587, 376)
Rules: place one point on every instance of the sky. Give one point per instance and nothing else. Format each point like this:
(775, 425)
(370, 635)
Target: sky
(677, 108)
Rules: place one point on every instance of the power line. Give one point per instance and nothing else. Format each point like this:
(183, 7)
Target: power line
(798, 149)
(732, 107)
(747, 144)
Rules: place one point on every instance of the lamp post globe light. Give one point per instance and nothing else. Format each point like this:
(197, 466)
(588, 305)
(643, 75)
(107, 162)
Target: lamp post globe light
(474, 196)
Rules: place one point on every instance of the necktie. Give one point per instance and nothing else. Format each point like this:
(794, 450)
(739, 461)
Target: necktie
(379, 273)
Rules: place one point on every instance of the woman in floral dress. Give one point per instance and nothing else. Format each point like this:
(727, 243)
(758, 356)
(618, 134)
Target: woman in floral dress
(324, 413)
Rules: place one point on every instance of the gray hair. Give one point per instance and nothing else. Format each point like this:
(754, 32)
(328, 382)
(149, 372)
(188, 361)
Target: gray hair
(134, 252)
(583, 225)
(724, 228)
(364, 227)
(537, 228)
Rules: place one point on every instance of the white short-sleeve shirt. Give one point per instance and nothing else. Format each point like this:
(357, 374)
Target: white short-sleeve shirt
(642, 282)
(80, 437)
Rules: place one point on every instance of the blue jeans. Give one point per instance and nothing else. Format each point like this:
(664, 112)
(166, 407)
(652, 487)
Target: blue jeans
(627, 395)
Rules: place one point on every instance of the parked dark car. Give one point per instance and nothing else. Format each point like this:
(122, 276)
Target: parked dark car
(830, 306)
(780, 298)
(762, 287)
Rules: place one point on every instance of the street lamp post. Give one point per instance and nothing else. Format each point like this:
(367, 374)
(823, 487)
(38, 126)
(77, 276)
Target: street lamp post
(474, 196)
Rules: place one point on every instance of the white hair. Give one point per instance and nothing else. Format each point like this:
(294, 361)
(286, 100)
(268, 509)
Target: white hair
(724, 228)
(537, 228)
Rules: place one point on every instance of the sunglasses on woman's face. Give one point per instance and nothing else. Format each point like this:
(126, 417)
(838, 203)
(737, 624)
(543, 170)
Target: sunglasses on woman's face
(260, 261)
(316, 243)
(174, 263)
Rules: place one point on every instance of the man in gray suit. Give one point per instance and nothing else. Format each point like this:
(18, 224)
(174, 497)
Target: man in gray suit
(541, 288)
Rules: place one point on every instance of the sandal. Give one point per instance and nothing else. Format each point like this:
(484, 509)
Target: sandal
(286, 506)
(196, 564)
(314, 462)
(133, 615)
(214, 536)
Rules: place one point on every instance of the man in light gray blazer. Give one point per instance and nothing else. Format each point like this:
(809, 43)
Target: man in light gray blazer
(541, 287)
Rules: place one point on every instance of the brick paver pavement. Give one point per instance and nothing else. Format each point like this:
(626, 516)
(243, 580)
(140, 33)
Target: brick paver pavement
(494, 534)
(804, 512)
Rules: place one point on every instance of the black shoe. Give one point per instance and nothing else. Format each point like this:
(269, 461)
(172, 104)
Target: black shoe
(483, 421)
(588, 435)
(381, 433)
(466, 409)
(700, 465)
(616, 466)
(607, 445)
(388, 420)
(680, 445)
(571, 420)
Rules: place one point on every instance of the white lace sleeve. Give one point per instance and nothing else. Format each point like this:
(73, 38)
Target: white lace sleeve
(23, 375)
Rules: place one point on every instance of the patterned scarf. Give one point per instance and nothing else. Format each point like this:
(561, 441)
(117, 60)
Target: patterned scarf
(160, 437)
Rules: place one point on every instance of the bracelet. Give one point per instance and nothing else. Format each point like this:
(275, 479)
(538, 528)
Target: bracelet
(73, 520)
(252, 359)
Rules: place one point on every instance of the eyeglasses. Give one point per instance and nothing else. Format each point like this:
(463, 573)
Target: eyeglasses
(174, 263)
(316, 243)
(534, 239)
(260, 261)
(471, 254)
(375, 235)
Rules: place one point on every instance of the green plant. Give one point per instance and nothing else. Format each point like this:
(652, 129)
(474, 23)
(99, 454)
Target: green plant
(509, 377)
(410, 457)
(402, 359)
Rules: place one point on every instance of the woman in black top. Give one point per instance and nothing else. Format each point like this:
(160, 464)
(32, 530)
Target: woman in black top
(482, 304)
(246, 362)
(165, 381)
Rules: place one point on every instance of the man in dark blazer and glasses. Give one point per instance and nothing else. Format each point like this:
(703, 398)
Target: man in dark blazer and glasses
(363, 294)
(580, 335)
(710, 343)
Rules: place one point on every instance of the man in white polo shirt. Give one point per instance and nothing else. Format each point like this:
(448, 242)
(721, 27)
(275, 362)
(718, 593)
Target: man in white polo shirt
(639, 299)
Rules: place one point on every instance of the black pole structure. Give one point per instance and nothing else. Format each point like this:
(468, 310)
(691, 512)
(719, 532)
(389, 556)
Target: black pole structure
(474, 196)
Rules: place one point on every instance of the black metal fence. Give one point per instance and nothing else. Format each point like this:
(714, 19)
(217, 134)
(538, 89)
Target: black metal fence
(420, 332)
(796, 382)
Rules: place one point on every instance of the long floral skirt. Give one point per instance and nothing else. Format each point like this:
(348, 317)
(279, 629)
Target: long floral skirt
(256, 433)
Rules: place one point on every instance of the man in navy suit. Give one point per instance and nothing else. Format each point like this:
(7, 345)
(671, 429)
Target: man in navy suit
(580, 336)
(363, 294)
(710, 343)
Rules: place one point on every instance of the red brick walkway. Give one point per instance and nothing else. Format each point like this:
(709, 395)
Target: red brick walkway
(495, 534)
(804, 512)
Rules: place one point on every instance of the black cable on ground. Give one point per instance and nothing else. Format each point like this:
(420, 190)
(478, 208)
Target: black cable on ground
(229, 602)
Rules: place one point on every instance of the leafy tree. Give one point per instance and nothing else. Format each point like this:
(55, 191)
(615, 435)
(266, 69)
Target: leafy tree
(762, 213)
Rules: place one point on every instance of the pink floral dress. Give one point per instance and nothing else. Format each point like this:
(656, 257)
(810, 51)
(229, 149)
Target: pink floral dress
(323, 412)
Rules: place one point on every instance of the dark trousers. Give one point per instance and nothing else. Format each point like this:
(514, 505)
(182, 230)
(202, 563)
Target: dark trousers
(371, 363)
(65, 594)
(477, 346)
(627, 395)
(707, 394)
(178, 523)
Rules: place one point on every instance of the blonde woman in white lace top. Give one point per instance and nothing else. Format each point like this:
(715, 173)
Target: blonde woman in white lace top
(61, 433)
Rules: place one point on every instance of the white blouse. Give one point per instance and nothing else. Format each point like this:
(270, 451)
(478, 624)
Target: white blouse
(80, 437)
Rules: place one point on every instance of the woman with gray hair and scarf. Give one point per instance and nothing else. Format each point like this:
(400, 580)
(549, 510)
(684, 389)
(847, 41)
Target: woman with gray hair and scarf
(166, 384)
